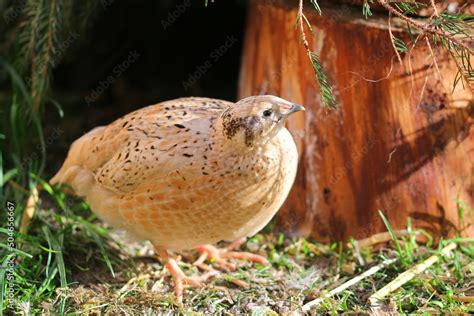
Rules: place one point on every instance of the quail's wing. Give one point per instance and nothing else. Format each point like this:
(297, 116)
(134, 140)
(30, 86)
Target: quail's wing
(160, 140)
(148, 143)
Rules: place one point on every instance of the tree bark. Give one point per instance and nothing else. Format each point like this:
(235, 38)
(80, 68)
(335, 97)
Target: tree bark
(401, 141)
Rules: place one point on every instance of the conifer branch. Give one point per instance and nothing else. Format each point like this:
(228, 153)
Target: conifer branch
(327, 95)
(446, 29)
(426, 28)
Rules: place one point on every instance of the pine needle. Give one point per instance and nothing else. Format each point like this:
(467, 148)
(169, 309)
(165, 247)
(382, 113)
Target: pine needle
(366, 11)
(316, 6)
(327, 95)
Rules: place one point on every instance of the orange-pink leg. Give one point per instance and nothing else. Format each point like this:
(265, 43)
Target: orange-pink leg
(222, 256)
(180, 279)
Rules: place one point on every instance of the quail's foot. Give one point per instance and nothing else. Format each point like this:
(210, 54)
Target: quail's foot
(181, 281)
(221, 256)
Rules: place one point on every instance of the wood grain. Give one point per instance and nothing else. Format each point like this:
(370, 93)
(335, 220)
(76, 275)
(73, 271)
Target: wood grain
(399, 143)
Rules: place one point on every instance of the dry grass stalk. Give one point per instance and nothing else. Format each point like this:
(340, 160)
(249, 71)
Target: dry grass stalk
(380, 238)
(348, 284)
(29, 211)
(374, 299)
(464, 299)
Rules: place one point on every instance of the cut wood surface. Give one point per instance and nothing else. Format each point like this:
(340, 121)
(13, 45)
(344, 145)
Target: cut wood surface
(399, 143)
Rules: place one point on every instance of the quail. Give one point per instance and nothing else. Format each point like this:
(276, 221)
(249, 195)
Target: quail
(188, 173)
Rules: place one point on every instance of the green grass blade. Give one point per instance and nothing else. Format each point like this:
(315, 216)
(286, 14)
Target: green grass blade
(15, 77)
(100, 244)
(16, 251)
(394, 238)
(7, 176)
(57, 246)
(1, 177)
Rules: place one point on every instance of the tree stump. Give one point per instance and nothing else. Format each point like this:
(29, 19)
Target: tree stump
(401, 141)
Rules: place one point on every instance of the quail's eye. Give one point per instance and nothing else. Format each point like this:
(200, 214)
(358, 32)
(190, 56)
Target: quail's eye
(267, 113)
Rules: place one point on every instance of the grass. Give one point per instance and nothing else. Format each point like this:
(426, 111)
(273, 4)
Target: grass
(69, 262)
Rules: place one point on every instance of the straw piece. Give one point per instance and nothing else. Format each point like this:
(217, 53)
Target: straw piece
(29, 211)
(380, 238)
(349, 283)
(463, 299)
(374, 299)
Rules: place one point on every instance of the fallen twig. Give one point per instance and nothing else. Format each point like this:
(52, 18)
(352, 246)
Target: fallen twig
(349, 283)
(406, 276)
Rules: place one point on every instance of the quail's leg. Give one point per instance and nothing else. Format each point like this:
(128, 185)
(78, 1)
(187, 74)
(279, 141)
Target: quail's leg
(180, 279)
(222, 256)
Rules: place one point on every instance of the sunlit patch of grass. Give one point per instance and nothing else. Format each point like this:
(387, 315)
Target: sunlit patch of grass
(63, 242)
(70, 262)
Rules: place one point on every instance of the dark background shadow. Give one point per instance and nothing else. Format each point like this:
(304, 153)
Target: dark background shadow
(183, 49)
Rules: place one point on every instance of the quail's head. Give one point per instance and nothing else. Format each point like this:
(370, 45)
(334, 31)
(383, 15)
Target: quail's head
(256, 119)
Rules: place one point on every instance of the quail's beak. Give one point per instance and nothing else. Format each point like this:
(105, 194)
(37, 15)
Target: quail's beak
(292, 108)
(296, 108)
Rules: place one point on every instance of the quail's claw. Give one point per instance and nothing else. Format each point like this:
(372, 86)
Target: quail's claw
(247, 256)
(181, 281)
(221, 256)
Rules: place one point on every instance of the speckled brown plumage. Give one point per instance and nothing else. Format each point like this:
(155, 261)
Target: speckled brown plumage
(189, 171)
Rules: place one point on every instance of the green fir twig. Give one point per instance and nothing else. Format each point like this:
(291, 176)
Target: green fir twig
(327, 96)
